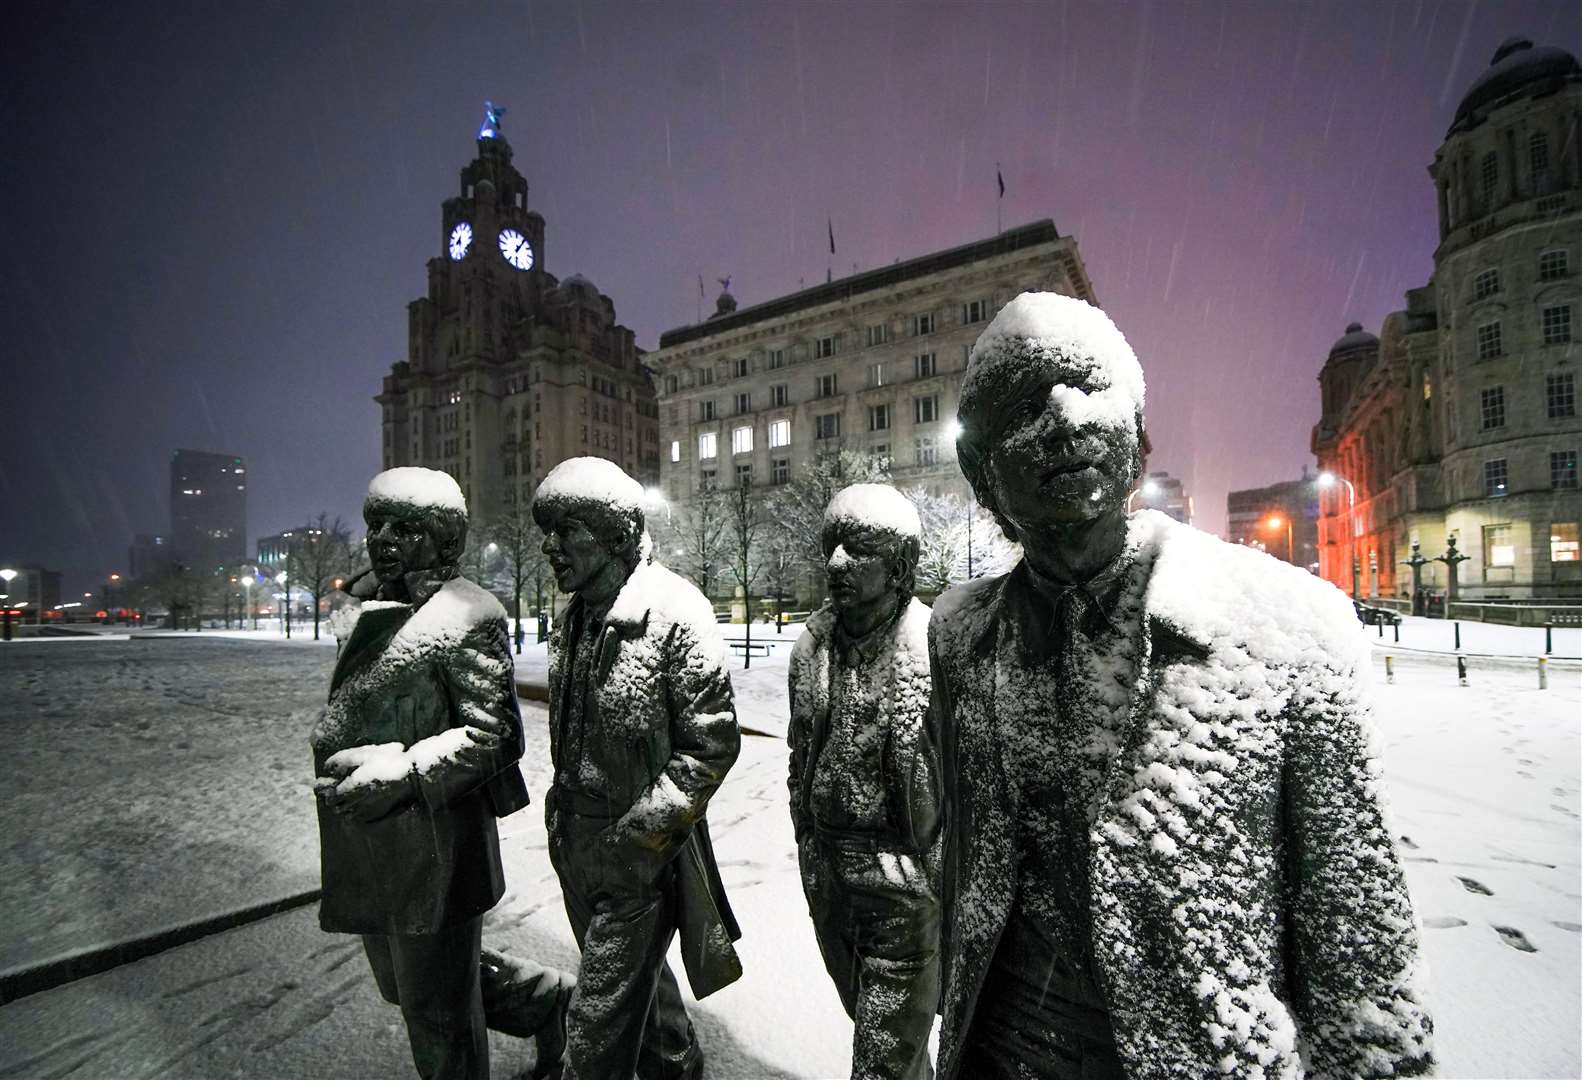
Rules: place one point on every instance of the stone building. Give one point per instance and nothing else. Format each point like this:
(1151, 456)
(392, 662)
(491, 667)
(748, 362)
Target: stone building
(208, 510)
(509, 370)
(1281, 519)
(872, 363)
(1460, 418)
(1165, 493)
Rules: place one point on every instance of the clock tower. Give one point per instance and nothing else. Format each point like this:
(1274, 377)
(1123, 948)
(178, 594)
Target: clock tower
(509, 370)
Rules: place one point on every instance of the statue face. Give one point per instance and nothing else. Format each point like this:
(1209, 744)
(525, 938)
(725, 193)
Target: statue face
(859, 573)
(576, 556)
(1045, 470)
(398, 545)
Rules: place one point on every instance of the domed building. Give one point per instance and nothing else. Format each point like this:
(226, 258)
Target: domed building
(1460, 419)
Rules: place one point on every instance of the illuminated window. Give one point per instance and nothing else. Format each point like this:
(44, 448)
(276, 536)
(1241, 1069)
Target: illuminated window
(1564, 543)
(1489, 341)
(1563, 469)
(742, 440)
(779, 433)
(1498, 548)
(708, 446)
(1492, 406)
(1557, 325)
(675, 450)
(1495, 476)
(1486, 283)
(1553, 264)
(875, 374)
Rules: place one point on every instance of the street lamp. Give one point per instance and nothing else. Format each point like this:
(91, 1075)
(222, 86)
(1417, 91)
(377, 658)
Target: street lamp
(955, 431)
(282, 580)
(247, 594)
(1329, 480)
(6, 576)
(1147, 491)
(1274, 521)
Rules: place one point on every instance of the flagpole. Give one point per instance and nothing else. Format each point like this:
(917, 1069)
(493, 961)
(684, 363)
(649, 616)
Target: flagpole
(1000, 178)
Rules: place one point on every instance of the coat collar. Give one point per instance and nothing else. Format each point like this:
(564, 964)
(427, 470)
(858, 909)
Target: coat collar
(629, 612)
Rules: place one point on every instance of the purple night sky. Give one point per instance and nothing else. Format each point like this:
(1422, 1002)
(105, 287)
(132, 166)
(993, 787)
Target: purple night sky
(214, 217)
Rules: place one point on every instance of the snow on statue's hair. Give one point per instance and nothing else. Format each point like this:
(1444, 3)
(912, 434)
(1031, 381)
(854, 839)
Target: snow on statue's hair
(600, 495)
(418, 488)
(875, 507)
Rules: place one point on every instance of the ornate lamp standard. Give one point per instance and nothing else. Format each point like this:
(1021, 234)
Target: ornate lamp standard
(1327, 480)
(1417, 562)
(1452, 559)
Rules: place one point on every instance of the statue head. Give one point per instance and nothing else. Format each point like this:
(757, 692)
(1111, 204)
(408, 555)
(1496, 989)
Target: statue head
(871, 540)
(592, 517)
(417, 520)
(1051, 415)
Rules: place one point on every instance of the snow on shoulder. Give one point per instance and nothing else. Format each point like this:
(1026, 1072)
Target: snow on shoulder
(415, 486)
(1044, 328)
(591, 479)
(873, 506)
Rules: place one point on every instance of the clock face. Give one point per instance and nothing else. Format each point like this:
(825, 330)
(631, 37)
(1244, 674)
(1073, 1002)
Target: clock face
(460, 240)
(517, 251)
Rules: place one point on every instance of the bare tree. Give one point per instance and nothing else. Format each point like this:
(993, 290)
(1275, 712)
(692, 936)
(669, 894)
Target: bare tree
(319, 560)
(747, 527)
(697, 535)
(517, 538)
(783, 565)
(960, 540)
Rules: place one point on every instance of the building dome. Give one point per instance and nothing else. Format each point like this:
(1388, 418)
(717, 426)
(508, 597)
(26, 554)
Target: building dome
(1355, 337)
(576, 282)
(1518, 67)
(724, 304)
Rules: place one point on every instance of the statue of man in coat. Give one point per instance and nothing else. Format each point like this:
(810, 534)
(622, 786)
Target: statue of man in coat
(642, 732)
(415, 757)
(864, 782)
(1166, 853)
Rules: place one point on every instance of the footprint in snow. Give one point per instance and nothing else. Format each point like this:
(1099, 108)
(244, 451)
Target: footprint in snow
(1444, 922)
(1474, 886)
(1408, 842)
(1515, 938)
(1575, 928)
(1566, 810)
(1524, 774)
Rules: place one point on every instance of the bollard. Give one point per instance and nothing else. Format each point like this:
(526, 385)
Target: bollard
(1461, 669)
(1549, 639)
(1458, 637)
(1397, 633)
(1381, 628)
(1389, 669)
(1543, 673)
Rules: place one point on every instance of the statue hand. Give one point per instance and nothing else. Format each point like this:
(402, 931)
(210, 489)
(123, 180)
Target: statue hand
(373, 800)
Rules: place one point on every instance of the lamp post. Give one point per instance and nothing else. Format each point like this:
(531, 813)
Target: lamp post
(283, 579)
(6, 577)
(1417, 562)
(1327, 480)
(1148, 490)
(1452, 559)
(247, 598)
(955, 432)
(1274, 521)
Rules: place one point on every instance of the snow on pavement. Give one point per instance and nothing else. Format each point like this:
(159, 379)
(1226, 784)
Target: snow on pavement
(1485, 787)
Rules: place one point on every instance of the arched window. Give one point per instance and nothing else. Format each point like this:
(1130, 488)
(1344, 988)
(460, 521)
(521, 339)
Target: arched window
(1538, 159)
(1491, 178)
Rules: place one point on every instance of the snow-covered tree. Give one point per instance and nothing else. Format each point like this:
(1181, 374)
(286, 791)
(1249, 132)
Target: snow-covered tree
(319, 560)
(960, 541)
(695, 538)
(523, 568)
(797, 508)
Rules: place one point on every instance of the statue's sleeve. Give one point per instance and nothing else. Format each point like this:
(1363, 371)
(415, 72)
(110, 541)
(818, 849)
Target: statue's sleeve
(704, 742)
(486, 736)
(1356, 971)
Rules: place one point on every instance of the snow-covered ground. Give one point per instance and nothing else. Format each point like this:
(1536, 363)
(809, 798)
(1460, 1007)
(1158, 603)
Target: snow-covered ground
(123, 829)
(1477, 639)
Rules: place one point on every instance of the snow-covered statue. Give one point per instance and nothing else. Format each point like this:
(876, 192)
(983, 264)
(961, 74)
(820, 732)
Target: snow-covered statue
(415, 757)
(1166, 851)
(642, 729)
(864, 782)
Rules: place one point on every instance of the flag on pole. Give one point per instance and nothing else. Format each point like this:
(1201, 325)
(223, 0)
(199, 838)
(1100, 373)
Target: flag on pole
(1000, 177)
(831, 235)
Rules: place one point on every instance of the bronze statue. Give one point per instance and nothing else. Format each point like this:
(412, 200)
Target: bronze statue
(642, 732)
(415, 757)
(864, 783)
(1165, 850)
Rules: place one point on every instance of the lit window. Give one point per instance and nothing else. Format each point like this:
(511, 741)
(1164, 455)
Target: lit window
(1563, 469)
(1495, 476)
(1486, 283)
(1560, 393)
(1492, 405)
(1564, 543)
(1557, 325)
(779, 433)
(1553, 264)
(708, 446)
(1498, 548)
(742, 440)
(675, 450)
(875, 374)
